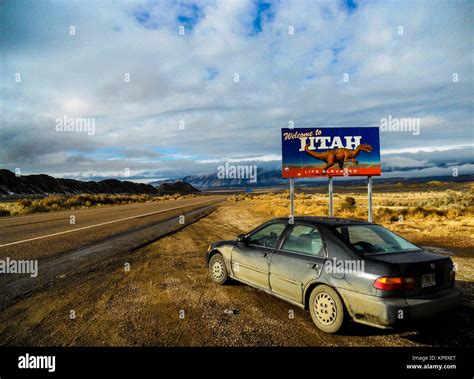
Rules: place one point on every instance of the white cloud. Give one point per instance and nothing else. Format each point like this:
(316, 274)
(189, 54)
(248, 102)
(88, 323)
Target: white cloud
(467, 169)
(428, 149)
(406, 162)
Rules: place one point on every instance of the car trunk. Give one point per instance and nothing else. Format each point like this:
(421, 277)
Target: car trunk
(431, 271)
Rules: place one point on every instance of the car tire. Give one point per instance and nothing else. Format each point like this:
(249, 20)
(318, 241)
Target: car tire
(327, 309)
(218, 269)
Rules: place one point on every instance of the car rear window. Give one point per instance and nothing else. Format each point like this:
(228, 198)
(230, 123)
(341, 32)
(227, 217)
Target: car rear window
(374, 239)
(304, 239)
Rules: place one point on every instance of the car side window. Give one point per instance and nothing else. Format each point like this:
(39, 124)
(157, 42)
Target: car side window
(267, 236)
(304, 239)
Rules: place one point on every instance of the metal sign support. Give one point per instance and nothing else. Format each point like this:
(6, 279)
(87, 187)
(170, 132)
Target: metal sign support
(369, 193)
(330, 196)
(292, 197)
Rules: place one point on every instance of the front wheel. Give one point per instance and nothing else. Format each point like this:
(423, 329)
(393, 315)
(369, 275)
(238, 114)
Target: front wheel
(327, 309)
(217, 269)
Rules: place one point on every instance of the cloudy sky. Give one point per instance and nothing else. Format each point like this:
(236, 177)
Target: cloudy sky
(159, 80)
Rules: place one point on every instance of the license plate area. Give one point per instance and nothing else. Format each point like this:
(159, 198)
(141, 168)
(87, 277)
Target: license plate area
(428, 280)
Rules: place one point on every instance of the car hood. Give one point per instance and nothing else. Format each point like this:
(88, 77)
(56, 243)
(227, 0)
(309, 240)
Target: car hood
(221, 243)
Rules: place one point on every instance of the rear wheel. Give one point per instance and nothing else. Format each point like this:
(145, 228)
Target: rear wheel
(327, 309)
(217, 269)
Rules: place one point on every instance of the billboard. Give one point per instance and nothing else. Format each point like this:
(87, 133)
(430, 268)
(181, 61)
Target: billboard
(312, 152)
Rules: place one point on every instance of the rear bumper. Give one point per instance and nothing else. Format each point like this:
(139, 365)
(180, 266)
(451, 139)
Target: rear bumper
(390, 312)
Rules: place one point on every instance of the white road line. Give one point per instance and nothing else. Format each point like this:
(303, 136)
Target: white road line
(104, 223)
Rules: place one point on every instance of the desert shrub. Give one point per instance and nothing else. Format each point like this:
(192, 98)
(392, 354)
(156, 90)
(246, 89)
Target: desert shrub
(394, 218)
(454, 213)
(23, 203)
(386, 214)
(35, 207)
(284, 195)
(388, 202)
(55, 207)
(421, 212)
(404, 211)
(360, 213)
(434, 183)
(49, 201)
(236, 198)
(4, 212)
(450, 199)
(302, 196)
(349, 204)
(71, 202)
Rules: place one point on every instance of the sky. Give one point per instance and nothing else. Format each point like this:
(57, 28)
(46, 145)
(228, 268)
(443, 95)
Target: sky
(173, 88)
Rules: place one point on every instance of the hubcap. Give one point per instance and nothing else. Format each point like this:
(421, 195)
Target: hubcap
(218, 269)
(325, 308)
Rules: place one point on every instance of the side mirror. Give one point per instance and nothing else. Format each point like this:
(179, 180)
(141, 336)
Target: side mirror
(241, 238)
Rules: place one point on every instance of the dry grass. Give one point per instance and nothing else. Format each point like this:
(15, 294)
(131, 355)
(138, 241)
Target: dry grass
(58, 203)
(434, 218)
(388, 207)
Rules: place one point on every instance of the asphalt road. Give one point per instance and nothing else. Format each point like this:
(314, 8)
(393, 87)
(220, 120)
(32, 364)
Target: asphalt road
(62, 247)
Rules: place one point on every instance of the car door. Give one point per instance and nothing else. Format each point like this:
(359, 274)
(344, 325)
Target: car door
(251, 257)
(299, 260)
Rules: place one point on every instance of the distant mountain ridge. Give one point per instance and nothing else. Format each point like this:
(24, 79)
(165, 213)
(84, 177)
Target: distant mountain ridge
(264, 179)
(272, 178)
(41, 185)
(180, 187)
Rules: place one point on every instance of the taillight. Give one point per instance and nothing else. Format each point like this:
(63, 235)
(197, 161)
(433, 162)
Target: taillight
(452, 274)
(393, 283)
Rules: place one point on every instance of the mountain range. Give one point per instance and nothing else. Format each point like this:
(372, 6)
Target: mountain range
(41, 185)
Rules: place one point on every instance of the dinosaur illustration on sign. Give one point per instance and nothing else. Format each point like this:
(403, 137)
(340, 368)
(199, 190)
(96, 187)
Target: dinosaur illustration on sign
(339, 156)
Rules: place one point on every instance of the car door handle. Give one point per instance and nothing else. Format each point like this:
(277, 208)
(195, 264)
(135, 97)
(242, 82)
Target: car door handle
(313, 266)
(263, 254)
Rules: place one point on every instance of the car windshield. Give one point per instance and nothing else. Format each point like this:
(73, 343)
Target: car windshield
(375, 239)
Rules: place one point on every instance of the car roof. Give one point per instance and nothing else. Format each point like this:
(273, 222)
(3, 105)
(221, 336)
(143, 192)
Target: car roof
(333, 221)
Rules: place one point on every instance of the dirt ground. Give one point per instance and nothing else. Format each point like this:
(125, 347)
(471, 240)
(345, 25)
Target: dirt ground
(167, 299)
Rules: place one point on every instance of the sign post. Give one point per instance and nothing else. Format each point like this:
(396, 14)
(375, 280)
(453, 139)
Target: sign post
(369, 193)
(292, 197)
(330, 196)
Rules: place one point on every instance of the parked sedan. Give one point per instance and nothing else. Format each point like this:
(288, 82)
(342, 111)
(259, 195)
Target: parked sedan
(339, 269)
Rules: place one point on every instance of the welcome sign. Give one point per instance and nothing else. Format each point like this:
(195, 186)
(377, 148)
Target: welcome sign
(310, 152)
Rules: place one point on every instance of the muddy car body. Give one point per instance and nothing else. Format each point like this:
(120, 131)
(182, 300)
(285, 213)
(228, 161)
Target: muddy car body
(339, 269)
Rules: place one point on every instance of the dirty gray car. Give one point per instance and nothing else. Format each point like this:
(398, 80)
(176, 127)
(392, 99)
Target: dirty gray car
(339, 269)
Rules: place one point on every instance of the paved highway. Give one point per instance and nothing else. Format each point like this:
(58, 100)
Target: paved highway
(62, 247)
(47, 234)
